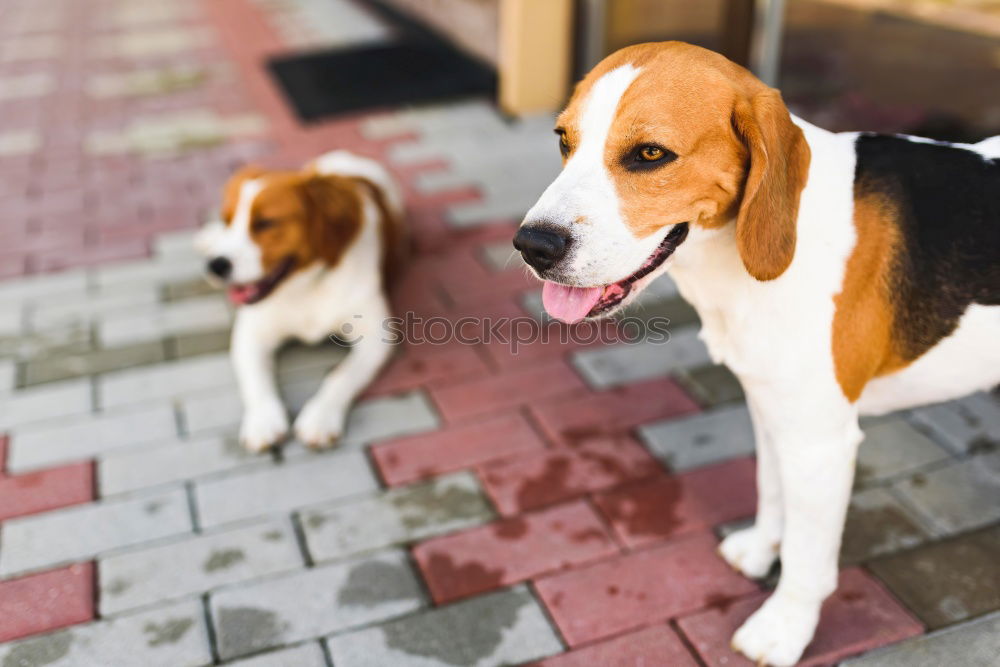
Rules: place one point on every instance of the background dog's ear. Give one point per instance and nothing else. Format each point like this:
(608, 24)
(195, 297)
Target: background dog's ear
(334, 214)
(779, 165)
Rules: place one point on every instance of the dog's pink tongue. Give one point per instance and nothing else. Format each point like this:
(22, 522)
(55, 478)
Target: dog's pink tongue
(240, 294)
(569, 304)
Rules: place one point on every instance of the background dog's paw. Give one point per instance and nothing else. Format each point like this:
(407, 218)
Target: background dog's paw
(320, 425)
(263, 426)
(748, 552)
(778, 632)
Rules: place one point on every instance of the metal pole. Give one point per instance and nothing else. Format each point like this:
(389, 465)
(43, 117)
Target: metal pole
(765, 49)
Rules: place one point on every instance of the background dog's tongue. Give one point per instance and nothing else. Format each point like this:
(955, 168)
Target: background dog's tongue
(569, 304)
(240, 294)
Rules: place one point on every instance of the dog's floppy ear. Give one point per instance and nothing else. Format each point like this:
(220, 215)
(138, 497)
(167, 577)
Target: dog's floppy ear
(334, 214)
(778, 168)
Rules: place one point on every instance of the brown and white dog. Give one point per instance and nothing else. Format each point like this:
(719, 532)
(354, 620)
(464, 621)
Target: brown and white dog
(305, 254)
(835, 274)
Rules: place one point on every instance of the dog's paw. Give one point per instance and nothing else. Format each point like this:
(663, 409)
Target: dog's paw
(749, 552)
(263, 426)
(320, 425)
(778, 632)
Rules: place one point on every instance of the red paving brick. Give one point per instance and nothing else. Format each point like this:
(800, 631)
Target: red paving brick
(657, 646)
(512, 550)
(571, 420)
(860, 616)
(501, 392)
(43, 490)
(46, 601)
(607, 598)
(455, 448)
(419, 365)
(525, 482)
(656, 509)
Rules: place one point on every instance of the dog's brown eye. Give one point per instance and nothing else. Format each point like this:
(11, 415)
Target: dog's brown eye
(262, 224)
(651, 153)
(563, 143)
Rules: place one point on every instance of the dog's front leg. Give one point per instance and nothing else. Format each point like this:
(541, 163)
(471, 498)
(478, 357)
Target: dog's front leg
(252, 349)
(815, 444)
(321, 422)
(753, 550)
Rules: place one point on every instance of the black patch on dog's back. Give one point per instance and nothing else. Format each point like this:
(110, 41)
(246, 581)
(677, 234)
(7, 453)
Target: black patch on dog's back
(948, 205)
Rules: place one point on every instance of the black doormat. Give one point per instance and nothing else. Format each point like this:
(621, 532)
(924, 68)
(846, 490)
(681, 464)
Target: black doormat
(411, 71)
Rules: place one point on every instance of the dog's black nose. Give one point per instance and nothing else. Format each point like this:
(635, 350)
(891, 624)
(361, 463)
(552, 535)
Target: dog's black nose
(221, 267)
(541, 247)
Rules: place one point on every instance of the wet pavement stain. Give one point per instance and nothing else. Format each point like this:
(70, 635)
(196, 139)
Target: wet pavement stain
(223, 560)
(272, 536)
(465, 637)
(40, 651)
(316, 521)
(456, 580)
(372, 583)
(426, 505)
(169, 631)
(512, 529)
(117, 586)
(245, 629)
(153, 507)
(877, 531)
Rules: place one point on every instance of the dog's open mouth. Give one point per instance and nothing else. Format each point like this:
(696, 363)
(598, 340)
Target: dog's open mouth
(572, 304)
(248, 293)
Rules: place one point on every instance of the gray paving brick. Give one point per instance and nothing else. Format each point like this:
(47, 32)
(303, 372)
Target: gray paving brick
(314, 602)
(878, 524)
(206, 342)
(64, 340)
(172, 635)
(62, 399)
(53, 367)
(503, 628)
(137, 272)
(180, 569)
(279, 488)
(948, 581)
(613, 365)
(304, 655)
(207, 313)
(26, 288)
(972, 644)
(185, 289)
(61, 310)
(401, 515)
(175, 461)
(382, 418)
(8, 375)
(892, 447)
(12, 321)
(712, 385)
(82, 532)
(699, 440)
(176, 246)
(81, 438)
(969, 424)
(165, 381)
(211, 411)
(959, 496)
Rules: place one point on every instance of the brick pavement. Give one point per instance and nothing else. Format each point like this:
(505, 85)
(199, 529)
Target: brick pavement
(561, 504)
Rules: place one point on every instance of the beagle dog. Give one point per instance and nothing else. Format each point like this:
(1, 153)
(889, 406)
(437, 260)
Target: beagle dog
(835, 274)
(306, 255)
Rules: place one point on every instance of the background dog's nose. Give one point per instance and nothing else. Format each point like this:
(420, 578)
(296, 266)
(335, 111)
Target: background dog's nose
(540, 247)
(221, 267)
